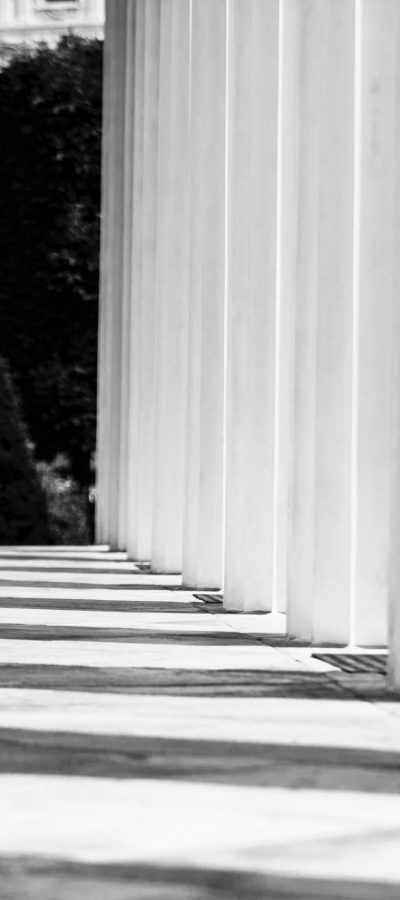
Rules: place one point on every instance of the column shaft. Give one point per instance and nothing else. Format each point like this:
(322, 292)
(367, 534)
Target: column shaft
(172, 286)
(251, 302)
(102, 446)
(320, 546)
(133, 35)
(288, 114)
(143, 325)
(109, 407)
(377, 277)
(203, 519)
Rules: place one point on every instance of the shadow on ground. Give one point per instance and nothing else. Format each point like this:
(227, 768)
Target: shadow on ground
(237, 763)
(174, 682)
(42, 879)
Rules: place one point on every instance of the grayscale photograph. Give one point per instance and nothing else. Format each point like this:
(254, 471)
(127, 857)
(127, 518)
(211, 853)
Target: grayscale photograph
(200, 450)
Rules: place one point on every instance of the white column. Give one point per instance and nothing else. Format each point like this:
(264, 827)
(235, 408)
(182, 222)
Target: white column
(109, 406)
(377, 297)
(148, 311)
(301, 543)
(252, 207)
(172, 286)
(319, 603)
(203, 518)
(131, 94)
(288, 114)
(136, 285)
(143, 325)
(394, 558)
(102, 454)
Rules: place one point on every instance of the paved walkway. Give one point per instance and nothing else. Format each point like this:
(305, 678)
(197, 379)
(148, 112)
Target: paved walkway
(153, 747)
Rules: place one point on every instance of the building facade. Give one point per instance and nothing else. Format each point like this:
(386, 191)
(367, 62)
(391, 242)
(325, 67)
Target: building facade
(249, 428)
(29, 22)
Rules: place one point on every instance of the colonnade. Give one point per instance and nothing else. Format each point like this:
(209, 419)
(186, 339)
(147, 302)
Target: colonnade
(249, 373)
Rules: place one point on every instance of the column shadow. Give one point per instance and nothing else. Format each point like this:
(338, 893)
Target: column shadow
(228, 762)
(40, 877)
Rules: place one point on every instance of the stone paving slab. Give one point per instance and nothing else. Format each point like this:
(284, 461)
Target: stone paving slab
(153, 746)
(276, 831)
(113, 653)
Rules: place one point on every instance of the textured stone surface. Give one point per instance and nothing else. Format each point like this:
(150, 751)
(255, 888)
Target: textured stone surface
(152, 746)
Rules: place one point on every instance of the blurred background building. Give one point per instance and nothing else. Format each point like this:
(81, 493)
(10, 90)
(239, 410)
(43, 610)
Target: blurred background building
(30, 22)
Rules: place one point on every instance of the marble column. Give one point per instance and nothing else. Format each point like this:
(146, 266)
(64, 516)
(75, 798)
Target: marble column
(110, 328)
(203, 510)
(394, 459)
(319, 596)
(377, 299)
(171, 287)
(143, 251)
(132, 95)
(251, 302)
(102, 455)
(287, 194)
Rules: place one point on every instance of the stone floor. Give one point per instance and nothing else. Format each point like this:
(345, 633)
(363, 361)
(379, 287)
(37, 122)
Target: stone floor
(153, 746)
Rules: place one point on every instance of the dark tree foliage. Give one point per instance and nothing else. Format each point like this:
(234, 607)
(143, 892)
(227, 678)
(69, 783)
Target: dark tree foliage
(23, 509)
(50, 113)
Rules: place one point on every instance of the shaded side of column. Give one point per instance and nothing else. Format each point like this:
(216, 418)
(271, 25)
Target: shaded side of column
(171, 287)
(251, 302)
(136, 252)
(111, 282)
(203, 519)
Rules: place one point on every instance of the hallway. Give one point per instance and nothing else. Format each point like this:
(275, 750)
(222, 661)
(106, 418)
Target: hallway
(154, 746)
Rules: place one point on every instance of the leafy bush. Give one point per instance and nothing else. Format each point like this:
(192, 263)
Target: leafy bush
(50, 161)
(68, 504)
(23, 509)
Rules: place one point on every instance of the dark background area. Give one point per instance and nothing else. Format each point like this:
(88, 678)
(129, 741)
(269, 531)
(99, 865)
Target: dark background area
(50, 167)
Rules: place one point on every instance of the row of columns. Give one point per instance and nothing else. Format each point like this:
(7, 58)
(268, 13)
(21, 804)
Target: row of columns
(249, 329)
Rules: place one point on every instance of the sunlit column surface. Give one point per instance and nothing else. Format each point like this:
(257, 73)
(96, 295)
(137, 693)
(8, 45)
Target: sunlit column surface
(288, 115)
(133, 38)
(378, 260)
(172, 286)
(394, 559)
(320, 548)
(202, 534)
(136, 251)
(252, 205)
(102, 455)
(143, 253)
(305, 200)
